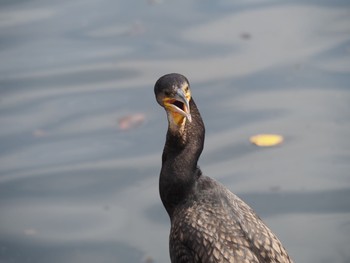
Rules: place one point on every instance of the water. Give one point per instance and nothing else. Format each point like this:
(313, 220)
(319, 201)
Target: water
(76, 185)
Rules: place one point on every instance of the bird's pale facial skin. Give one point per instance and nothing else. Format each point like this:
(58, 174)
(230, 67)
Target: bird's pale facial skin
(178, 107)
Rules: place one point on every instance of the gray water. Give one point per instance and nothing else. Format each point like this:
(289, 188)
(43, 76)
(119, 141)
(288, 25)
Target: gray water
(81, 134)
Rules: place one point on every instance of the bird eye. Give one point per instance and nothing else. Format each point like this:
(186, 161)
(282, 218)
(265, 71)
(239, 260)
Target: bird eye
(186, 89)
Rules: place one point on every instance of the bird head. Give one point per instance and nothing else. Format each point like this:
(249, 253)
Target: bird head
(173, 94)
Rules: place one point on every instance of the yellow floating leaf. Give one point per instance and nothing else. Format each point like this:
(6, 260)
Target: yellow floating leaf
(265, 140)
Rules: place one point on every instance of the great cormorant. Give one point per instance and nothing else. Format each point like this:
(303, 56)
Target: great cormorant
(208, 222)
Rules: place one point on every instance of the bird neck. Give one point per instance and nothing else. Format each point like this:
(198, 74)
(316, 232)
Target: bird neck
(179, 161)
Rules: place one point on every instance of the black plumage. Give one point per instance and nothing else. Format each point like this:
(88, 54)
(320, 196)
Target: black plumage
(208, 222)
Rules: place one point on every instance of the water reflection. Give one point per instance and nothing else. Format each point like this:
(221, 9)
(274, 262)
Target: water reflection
(75, 187)
(94, 251)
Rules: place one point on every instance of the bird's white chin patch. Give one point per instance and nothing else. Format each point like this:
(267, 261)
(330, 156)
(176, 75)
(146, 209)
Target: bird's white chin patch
(177, 122)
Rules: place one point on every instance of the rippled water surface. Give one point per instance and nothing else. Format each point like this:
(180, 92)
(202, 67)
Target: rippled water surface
(81, 134)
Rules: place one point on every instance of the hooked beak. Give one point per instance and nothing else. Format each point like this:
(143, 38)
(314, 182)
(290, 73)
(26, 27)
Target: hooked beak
(179, 104)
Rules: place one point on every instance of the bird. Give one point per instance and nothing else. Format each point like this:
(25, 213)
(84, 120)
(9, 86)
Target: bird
(209, 224)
